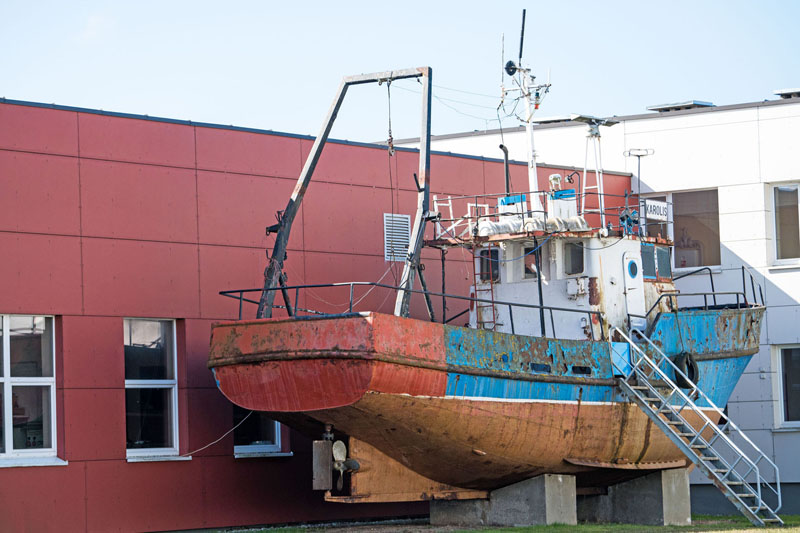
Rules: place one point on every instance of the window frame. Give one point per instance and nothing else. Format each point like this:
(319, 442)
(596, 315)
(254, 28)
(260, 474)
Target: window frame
(259, 450)
(566, 246)
(773, 188)
(172, 384)
(781, 407)
(7, 383)
(668, 196)
(487, 256)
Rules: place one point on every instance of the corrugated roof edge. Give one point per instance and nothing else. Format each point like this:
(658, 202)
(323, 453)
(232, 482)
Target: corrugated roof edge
(272, 132)
(641, 116)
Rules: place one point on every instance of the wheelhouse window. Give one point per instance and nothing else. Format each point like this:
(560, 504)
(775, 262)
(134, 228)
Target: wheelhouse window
(490, 265)
(648, 261)
(27, 386)
(787, 223)
(696, 225)
(573, 258)
(254, 434)
(529, 263)
(790, 370)
(151, 388)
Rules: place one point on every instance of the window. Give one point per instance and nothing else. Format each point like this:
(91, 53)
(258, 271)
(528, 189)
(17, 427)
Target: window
(27, 380)
(696, 223)
(790, 382)
(573, 258)
(151, 389)
(787, 223)
(490, 265)
(257, 435)
(648, 261)
(529, 263)
(396, 236)
(663, 262)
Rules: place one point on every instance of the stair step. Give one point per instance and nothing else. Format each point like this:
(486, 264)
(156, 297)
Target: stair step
(699, 446)
(746, 495)
(772, 520)
(687, 434)
(709, 457)
(720, 471)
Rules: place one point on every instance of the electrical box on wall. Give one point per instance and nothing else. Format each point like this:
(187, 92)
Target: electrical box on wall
(576, 287)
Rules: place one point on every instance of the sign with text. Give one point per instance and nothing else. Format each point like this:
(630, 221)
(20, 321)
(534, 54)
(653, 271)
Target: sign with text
(655, 210)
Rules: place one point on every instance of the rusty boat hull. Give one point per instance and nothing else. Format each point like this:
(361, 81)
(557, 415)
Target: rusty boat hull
(471, 408)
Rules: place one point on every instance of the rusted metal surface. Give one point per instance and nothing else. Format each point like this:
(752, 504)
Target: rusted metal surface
(321, 465)
(474, 409)
(382, 479)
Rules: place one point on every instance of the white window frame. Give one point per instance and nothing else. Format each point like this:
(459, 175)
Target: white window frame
(7, 382)
(778, 384)
(158, 384)
(671, 229)
(260, 450)
(775, 260)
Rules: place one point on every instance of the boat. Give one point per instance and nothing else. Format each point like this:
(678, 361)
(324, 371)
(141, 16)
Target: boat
(577, 354)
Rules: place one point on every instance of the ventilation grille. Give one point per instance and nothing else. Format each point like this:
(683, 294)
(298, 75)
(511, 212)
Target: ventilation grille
(396, 236)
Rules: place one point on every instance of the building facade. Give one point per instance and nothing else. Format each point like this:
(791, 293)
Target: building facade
(118, 233)
(731, 177)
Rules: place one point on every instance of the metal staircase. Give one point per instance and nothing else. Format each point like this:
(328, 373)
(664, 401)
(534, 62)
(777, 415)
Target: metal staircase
(649, 383)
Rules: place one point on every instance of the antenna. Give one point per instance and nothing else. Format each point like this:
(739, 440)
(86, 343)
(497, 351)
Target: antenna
(521, 38)
(502, 56)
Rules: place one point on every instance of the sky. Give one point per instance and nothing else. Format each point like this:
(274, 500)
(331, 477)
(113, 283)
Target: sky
(277, 65)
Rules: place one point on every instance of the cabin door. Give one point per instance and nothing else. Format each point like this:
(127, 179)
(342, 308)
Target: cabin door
(634, 289)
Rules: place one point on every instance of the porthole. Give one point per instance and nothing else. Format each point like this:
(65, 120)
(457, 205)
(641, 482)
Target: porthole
(633, 269)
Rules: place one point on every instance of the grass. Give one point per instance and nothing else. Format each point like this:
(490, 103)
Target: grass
(699, 523)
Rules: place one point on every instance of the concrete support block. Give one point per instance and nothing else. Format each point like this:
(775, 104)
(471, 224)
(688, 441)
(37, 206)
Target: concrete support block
(546, 499)
(659, 499)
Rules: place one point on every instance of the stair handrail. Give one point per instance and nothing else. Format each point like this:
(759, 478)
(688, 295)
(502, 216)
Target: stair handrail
(708, 423)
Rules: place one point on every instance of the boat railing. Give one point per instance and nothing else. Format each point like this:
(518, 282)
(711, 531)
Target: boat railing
(295, 311)
(738, 301)
(488, 207)
(758, 297)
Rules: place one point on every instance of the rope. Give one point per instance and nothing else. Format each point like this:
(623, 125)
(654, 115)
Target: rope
(219, 439)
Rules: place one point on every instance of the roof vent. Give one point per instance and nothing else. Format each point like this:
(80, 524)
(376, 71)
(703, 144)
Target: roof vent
(788, 93)
(689, 104)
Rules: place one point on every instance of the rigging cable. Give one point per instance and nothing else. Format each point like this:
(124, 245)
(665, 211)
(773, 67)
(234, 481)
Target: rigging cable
(189, 454)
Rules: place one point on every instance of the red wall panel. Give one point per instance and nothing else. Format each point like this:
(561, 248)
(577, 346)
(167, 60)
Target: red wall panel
(94, 428)
(336, 164)
(136, 141)
(154, 496)
(131, 201)
(198, 334)
(48, 188)
(140, 278)
(40, 274)
(248, 153)
(43, 499)
(92, 351)
(345, 219)
(38, 130)
(235, 209)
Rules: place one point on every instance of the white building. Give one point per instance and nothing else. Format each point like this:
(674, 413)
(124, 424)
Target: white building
(732, 175)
